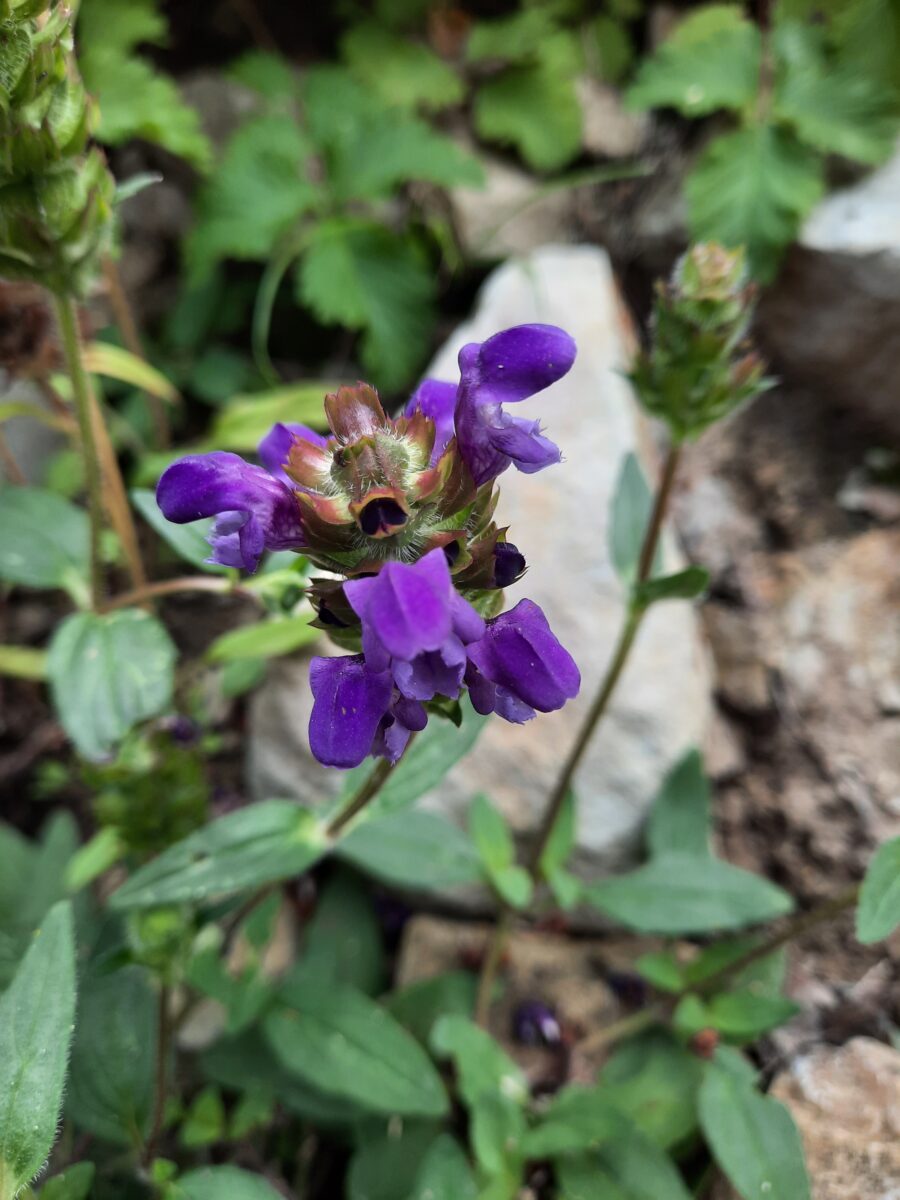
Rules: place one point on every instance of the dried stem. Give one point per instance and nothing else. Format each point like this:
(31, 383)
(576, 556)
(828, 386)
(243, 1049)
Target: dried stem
(169, 587)
(13, 471)
(70, 337)
(493, 957)
(124, 317)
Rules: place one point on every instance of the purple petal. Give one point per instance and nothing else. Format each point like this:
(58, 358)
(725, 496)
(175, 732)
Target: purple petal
(275, 447)
(256, 512)
(520, 654)
(405, 609)
(437, 400)
(468, 623)
(507, 368)
(350, 700)
(509, 564)
(435, 673)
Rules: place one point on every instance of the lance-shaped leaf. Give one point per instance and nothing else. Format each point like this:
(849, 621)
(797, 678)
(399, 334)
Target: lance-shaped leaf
(879, 902)
(37, 1014)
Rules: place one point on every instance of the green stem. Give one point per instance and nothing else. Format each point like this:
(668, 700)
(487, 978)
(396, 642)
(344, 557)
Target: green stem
(70, 336)
(163, 1046)
(367, 792)
(490, 967)
(661, 1011)
(627, 635)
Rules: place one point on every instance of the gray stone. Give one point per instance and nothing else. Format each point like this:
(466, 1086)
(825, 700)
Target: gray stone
(509, 214)
(609, 129)
(559, 518)
(832, 318)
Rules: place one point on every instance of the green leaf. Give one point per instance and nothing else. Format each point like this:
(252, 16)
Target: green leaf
(752, 1137)
(347, 1045)
(372, 150)
(266, 639)
(422, 767)
(837, 109)
(632, 504)
(269, 74)
(711, 61)
(629, 1166)
(497, 1132)
(419, 1006)
(497, 850)
(37, 1014)
(654, 1080)
(561, 841)
(246, 419)
(386, 1166)
(444, 1173)
(44, 540)
(188, 541)
(398, 70)
(107, 672)
(579, 1118)
(72, 1184)
(613, 46)
(754, 187)
(222, 1183)
(204, 1122)
(114, 1057)
(246, 1064)
(683, 585)
(245, 849)
(134, 100)
(743, 1016)
(23, 662)
(115, 362)
(878, 914)
(677, 894)
(482, 1066)
(535, 108)
(363, 276)
(257, 193)
(343, 942)
(680, 818)
(413, 849)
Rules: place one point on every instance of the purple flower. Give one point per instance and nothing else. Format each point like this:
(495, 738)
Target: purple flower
(519, 666)
(416, 623)
(255, 511)
(275, 447)
(436, 400)
(507, 368)
(535, 1024)
(350, 700)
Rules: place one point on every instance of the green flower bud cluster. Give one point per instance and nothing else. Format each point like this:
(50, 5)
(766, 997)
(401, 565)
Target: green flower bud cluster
(699, 366)
(56, 193)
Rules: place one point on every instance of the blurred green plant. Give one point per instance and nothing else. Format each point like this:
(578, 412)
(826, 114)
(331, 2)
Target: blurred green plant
(797, 93)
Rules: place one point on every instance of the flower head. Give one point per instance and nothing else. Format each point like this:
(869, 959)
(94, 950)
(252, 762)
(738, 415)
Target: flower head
(400, 512)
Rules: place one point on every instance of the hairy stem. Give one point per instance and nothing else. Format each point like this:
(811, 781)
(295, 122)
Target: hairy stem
(163, 1047)
(367, 792)
(70, 337)
(616, 666)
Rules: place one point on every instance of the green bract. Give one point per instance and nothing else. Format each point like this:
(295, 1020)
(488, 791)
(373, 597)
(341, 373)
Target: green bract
(55, 195)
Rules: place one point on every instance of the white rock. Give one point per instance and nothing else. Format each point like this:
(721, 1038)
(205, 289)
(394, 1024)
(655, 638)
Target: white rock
(609, 129)
(559, 519)
(862, 219)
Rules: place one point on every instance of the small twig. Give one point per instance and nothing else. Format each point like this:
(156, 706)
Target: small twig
(14, 472)
(124, 317)
(169, 587)
(661, 1010)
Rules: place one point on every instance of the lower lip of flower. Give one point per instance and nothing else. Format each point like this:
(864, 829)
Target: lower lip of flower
(382, 517)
